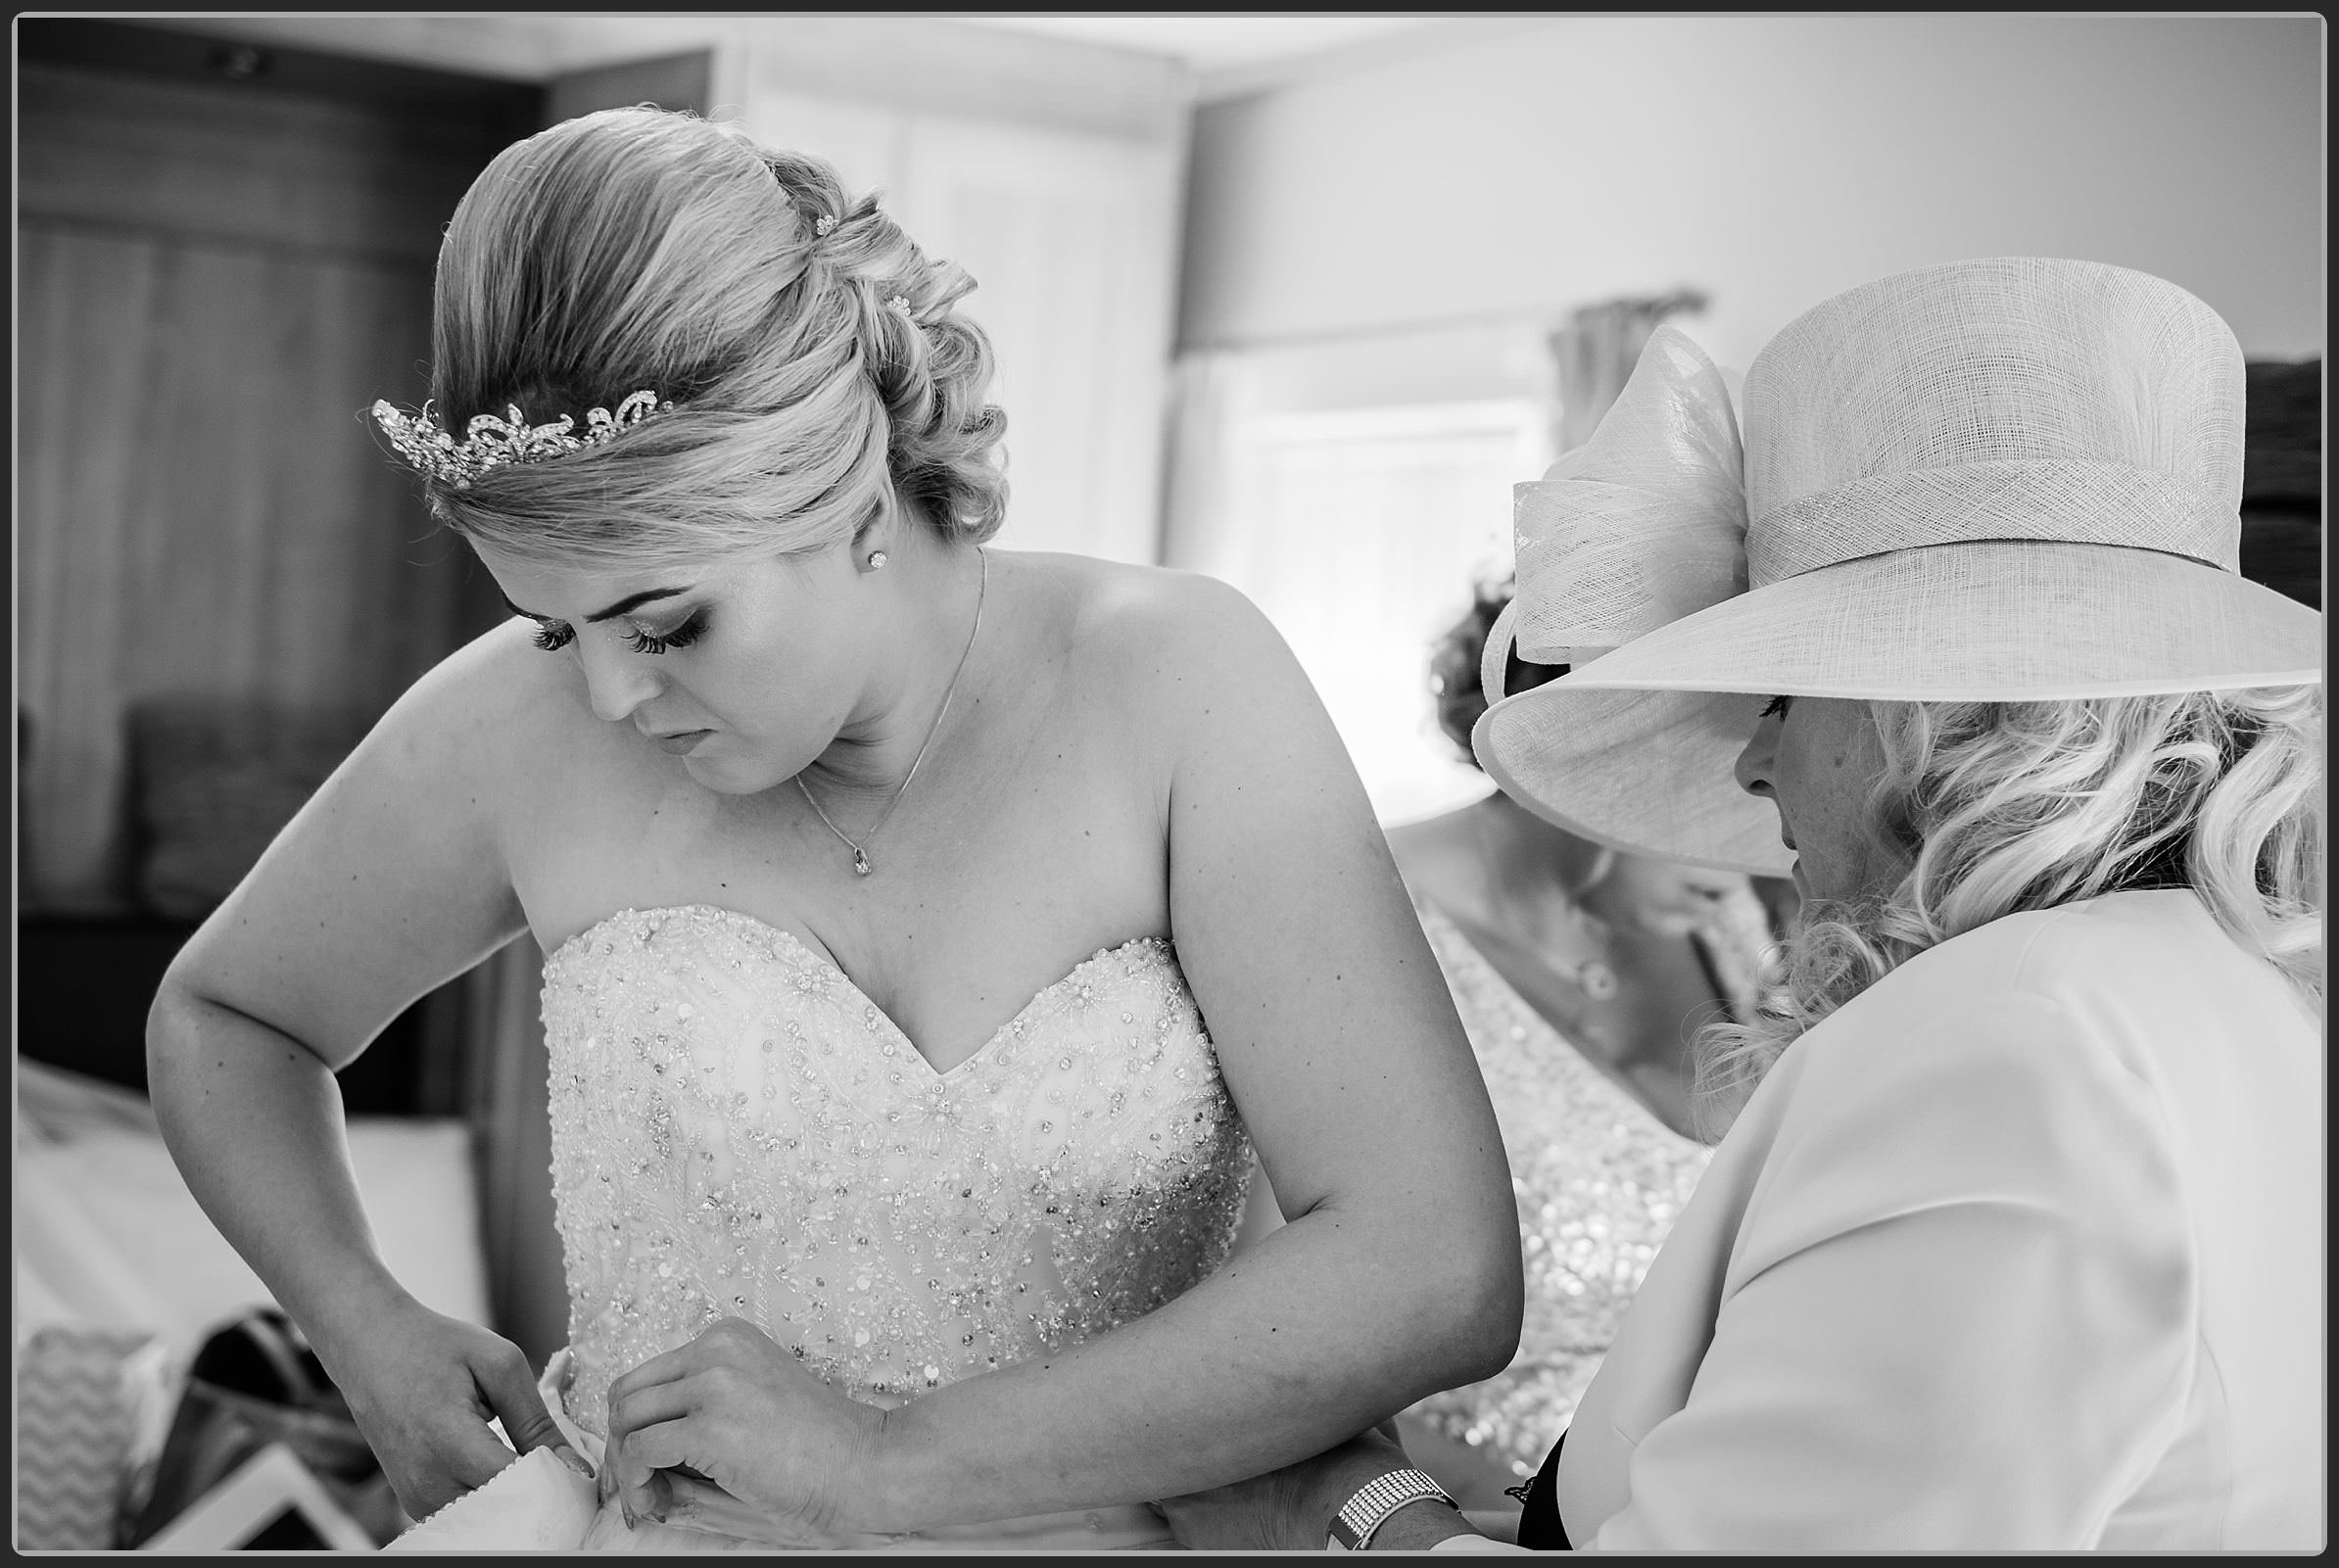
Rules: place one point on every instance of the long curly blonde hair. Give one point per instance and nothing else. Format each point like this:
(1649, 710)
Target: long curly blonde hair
(1999, 807)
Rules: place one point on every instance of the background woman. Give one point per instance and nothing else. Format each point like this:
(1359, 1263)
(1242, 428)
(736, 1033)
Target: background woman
(1583, 975)
(889, 882)
(2013, 1240)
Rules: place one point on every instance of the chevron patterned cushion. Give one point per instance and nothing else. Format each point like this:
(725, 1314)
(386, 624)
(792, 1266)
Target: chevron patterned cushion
(76, 1413)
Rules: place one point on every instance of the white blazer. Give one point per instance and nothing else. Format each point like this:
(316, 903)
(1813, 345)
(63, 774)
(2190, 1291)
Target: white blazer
(2021, 1249)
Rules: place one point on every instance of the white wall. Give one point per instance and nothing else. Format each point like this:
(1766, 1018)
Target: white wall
(1770, 161)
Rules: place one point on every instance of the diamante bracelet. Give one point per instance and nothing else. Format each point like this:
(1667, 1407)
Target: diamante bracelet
(1375, 1501)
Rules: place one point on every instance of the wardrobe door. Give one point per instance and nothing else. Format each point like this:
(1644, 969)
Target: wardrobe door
(1070, 238)
(862, 141)
(214, 285)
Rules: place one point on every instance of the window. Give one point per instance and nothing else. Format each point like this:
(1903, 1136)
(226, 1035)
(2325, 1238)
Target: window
(1360, 531)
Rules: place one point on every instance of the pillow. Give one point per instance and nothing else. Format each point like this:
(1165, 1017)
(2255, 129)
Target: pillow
(107, 1223)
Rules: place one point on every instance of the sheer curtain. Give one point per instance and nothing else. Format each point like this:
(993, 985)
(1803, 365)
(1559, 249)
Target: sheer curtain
(1595, 351)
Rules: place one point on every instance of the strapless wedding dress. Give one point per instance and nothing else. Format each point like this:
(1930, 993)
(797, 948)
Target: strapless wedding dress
(738, 1133)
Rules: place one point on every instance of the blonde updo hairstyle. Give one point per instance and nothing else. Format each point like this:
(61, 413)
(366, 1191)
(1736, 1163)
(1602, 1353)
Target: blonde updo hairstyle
(820, 382)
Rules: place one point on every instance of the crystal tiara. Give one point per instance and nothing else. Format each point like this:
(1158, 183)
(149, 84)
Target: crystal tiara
(490, 442)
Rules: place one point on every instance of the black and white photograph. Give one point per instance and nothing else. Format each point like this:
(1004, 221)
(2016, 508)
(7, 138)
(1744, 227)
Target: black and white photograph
(1086, 783)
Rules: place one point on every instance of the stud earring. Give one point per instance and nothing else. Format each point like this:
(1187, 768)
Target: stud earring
(877, 558)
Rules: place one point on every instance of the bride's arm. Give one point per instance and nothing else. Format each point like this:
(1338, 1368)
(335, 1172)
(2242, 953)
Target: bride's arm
(385, 885)
(1399, 1272)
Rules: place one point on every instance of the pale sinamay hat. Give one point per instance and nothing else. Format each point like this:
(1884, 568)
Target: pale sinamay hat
(1999, 480)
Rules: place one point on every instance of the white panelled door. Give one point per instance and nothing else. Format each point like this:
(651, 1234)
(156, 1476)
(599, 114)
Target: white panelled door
(1071, 237)
(863, 142)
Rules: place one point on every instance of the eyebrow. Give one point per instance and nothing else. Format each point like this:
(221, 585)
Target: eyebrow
(629, 602)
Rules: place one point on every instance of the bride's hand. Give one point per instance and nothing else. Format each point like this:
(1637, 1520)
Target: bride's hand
(423, 1388)
(734, 1411)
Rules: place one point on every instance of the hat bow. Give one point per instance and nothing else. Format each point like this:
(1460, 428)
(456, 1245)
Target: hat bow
(1641, 525)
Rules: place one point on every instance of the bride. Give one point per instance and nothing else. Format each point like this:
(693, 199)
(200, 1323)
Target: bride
(933, 929)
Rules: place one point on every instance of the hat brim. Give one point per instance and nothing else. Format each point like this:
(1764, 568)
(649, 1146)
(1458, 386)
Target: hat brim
(1637, 748)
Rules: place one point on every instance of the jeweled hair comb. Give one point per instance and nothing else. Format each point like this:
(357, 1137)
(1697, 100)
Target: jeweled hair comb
(491, 441)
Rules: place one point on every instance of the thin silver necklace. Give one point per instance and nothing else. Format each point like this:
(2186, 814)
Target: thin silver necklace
(861, 865)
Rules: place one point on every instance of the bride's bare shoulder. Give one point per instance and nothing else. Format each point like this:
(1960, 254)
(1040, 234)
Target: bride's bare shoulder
(1143, 626)
(491, 714)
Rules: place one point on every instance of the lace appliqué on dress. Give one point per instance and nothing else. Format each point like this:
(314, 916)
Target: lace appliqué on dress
(737, 1131)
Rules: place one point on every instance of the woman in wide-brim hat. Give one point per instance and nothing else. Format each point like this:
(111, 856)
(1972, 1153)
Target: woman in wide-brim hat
(2015, 1239)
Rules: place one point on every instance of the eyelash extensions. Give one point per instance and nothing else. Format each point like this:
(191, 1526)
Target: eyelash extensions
(554, 636)
(682, 637)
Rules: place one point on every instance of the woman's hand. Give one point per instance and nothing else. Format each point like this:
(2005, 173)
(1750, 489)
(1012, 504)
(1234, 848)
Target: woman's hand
(730, 1427)
(423, 1387)
(1664, 899)
(1289, 1509)
(1265, 1513)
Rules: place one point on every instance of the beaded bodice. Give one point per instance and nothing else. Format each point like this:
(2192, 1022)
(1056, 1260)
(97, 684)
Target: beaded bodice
(1599, 1181)
(737, 1131)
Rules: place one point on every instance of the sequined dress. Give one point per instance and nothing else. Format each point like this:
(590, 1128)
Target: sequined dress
(1599, 1181)
(737, 1131)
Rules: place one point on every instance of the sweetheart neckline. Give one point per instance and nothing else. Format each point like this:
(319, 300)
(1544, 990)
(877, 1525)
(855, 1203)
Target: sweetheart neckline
(823, 961)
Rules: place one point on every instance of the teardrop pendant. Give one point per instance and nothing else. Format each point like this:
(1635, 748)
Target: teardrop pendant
(860, 862)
